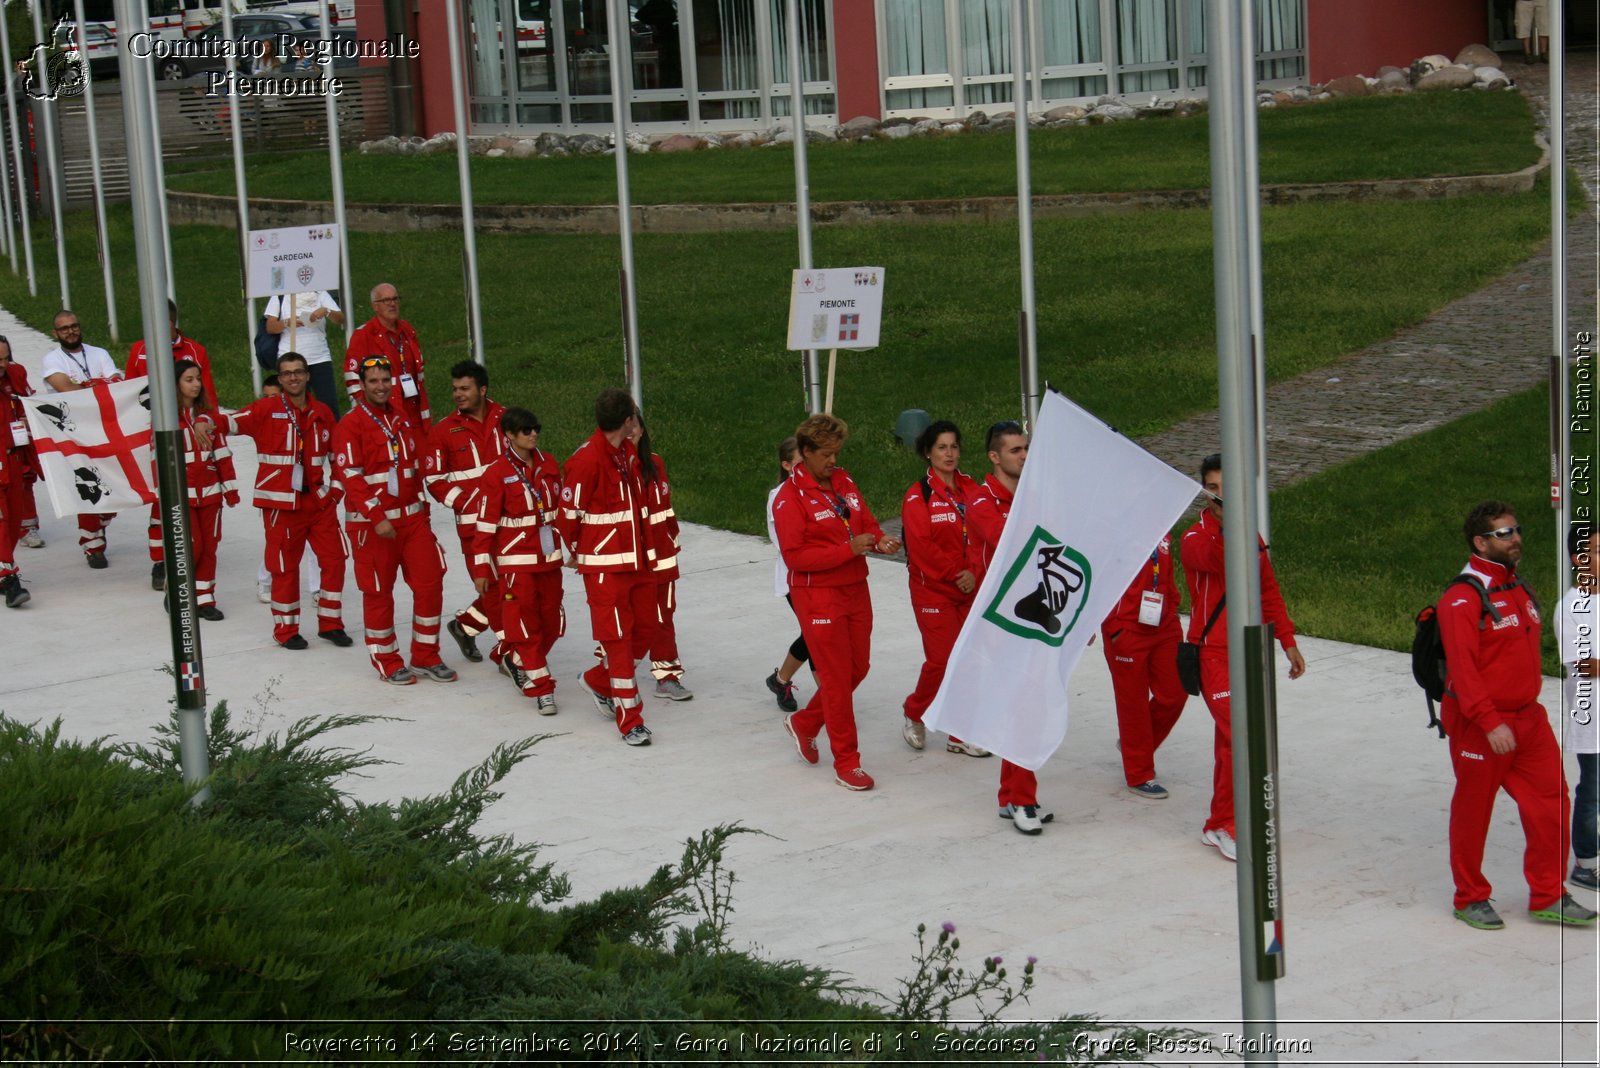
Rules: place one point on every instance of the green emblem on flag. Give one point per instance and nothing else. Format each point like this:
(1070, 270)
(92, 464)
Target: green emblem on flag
(1044, 590)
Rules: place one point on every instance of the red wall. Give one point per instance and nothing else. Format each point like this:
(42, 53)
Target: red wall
(1359, 36)
(855, 59)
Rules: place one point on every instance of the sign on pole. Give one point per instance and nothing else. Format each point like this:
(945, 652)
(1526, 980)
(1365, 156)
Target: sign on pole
(836, 308)
(292, 259)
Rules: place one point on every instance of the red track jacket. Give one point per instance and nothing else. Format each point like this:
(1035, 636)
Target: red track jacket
(815, 526)
(1496, 667)
(663, 524)
(404, 353)
(185, 348)
(367, 446)
(460, 450)
(285, 437)
(603, 514)
(934, 522)
(515, 503)
(1204, 574)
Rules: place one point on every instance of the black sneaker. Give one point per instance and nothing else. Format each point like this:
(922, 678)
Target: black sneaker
(337, 637)
(468, 643)
(96, 561)
(784, 692)
(1588, 878)
(211, 612)
(158, 577)
(295, 642)
(15, 595)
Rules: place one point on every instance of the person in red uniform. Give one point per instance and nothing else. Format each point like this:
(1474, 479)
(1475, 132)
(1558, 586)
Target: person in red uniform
(1140, 640)
(183, 348)
(298, 500)
(606, 522)
(515, 557)
(389, 336)
(461, 447)
(1007, 445)
(665, 663)
(825, 530)
(933, 518)
(1205, 575)
(1499, 733)
(208, 472)
(19, 469)
(377, 457)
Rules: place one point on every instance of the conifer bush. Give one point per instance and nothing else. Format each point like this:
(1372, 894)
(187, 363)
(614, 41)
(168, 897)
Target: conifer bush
(135, 924)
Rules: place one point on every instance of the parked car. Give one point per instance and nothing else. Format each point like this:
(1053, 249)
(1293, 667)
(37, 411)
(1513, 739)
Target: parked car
(101, 44)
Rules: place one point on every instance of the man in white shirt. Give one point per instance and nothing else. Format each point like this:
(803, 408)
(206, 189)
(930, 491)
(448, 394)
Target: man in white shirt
(301, 322)
(70, 366)
(1578, 642)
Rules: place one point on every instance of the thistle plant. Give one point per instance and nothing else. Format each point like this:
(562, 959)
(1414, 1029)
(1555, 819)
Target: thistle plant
(941, 982)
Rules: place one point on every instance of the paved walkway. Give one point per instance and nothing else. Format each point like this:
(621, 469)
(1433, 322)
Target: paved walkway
(1464, 357)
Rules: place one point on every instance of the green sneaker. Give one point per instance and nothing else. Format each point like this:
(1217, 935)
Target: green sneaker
(1481, 914)
(1565, 911)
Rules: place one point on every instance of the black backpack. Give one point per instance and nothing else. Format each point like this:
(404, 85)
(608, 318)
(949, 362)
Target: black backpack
(267, 344)
(1427, 646)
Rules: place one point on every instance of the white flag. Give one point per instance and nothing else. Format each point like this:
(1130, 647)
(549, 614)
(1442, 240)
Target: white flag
(1089, 508)
(94, 446)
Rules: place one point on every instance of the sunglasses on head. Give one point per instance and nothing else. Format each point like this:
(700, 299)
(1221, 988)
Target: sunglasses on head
(374, 361)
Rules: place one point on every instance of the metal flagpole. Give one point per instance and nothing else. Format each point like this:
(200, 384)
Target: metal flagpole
(1560, 385)
(620, 54)
(161, 166)
(144, 193)
(802, 182)
(1028, 326)
(458, 98)
(52, 156)
(1252, 238)
(24, 203)
(99, 181)
(1249, 642)
(236, 143)
(5, 185)
(336, 173)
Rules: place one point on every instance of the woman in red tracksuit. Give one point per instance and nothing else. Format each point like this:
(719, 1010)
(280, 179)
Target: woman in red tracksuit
(824, 530)
(662, 648)
(933, 516)
(1140, 640)
(209, 474)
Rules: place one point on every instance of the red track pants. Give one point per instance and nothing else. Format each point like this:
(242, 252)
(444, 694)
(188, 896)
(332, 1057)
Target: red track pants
(13, 496)
(663, 648)
(1150, 698)
(288, 533)
(529, 608)
(205, 535)
(415, 552)
(1532, 774)
(836, 622)
(484, 613)
(1219, 699)
(939, 619)
(1018, 785)
(92, 531)
(622, 614)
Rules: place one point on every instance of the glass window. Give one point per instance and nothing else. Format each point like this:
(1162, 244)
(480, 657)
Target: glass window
(986, 50)
(1147, 34)
(916, 44)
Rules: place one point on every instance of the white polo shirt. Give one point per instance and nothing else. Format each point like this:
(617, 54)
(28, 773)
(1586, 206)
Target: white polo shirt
(81, 366)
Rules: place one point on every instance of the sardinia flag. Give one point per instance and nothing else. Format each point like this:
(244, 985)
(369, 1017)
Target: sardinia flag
(94, 446)
(1089, 508)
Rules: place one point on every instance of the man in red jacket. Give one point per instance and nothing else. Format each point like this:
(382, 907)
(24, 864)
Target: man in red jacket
(605, 521)
(377, 456)
(1140, 640)
(1499, 733)
(389, 336)
(461, 447)
(294, 490)
(1205, 575)
(183, 348)
(19, 468)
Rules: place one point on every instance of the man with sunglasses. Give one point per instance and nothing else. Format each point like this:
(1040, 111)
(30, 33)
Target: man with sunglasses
(391, 337)
(73, 365)
(1499, 734)
(377, 456)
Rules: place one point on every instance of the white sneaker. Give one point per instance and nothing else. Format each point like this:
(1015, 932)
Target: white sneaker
(915, 734)
(1223, 841)
(969, 748)
(1024, 817)
(32, 540)
(547, 704)
(264, 592)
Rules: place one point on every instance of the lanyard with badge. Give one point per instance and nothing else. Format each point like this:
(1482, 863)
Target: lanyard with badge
(297, 476)
(394, 450)
(1151, 600)
(547, 537)
(408, 383)
(839, 508)
(19, 423)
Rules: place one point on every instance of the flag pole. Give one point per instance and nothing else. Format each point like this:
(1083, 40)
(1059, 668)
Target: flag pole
(1255, 773)
(24, 203)
(621, 53)
(1560, 386)
(1028, 328)
(336, 174)
(145, 191)
(52, 157)
(802, 188)
(236, 143)
(99, 181)
(458, 94)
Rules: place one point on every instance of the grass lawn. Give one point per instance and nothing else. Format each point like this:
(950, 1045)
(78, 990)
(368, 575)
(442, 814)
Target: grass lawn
(1125, 313)
(1419, 135)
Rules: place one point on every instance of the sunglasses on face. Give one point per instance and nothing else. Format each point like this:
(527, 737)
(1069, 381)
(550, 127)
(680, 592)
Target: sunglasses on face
(1503, 534)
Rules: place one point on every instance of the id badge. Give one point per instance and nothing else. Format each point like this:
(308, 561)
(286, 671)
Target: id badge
(547, 540)
(1150, 607)
(394, 482)
(408, 386)
(298, 479)
(19, 432)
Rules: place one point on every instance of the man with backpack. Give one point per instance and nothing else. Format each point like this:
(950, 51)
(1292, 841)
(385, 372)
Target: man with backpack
(1498, 732)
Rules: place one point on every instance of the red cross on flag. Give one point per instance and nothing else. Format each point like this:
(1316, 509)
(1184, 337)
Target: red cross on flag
(94, 446)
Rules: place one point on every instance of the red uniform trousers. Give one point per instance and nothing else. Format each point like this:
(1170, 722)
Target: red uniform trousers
(1214, 688)
(1532, 774)
(836, 622)
(288, 532)
(415, 551)
(12, 509)
(484, 613)
(1018, 785)
(92, 531)
(622, 614)
(1150, 697)
(152, 530)
(528, 604)
(663, 647)
(939, 619)
(205, 536)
